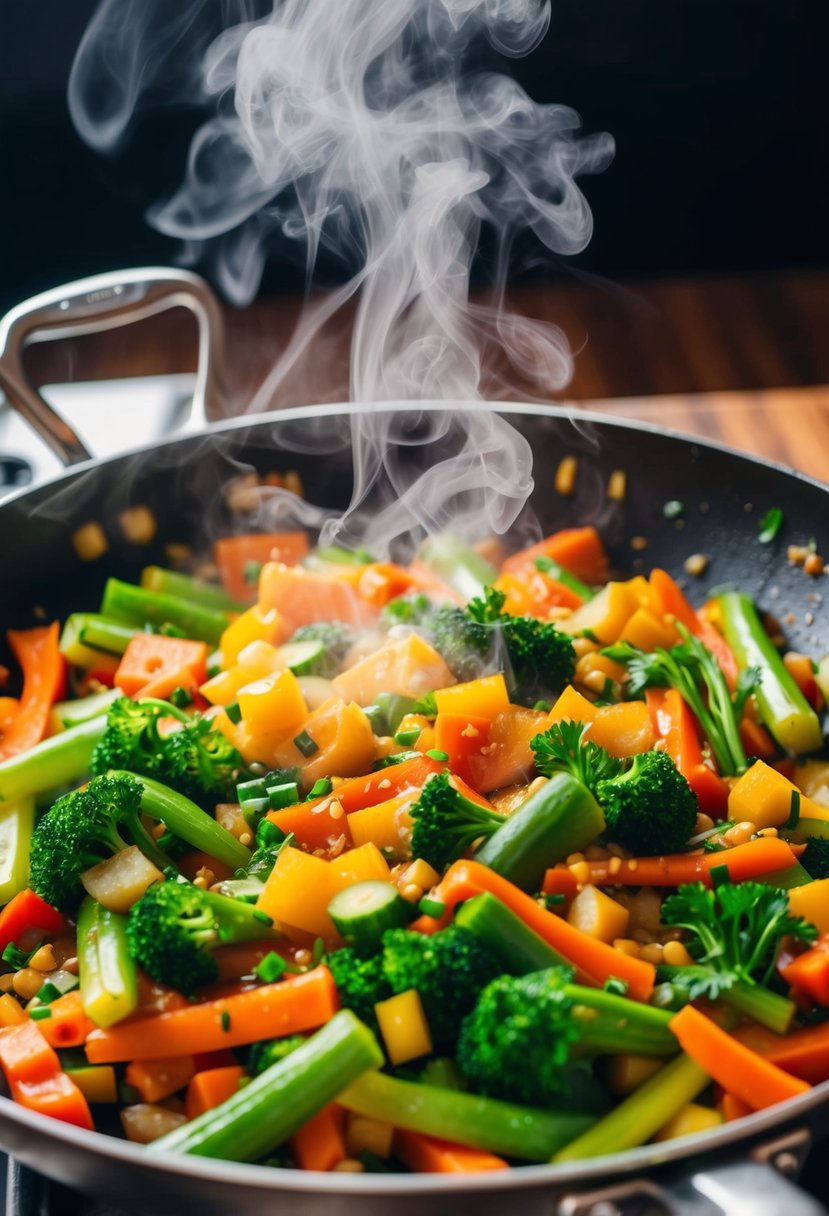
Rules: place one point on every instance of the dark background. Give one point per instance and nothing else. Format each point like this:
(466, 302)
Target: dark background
(718, 108)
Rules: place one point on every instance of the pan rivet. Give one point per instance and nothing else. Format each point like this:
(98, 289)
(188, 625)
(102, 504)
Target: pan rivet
(787, 1164)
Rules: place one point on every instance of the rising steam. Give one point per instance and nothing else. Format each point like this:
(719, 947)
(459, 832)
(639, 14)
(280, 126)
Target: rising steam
(352, 126)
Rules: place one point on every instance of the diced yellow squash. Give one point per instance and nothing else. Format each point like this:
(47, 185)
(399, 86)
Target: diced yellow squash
(388, 825)
(364, 1135)
(483, 698)
(420, 874)
(254, 662)
(121, 880)
(344, 739)
(297, 893)
(597, 914)
(257, 624)
(231, 817)
(407, 666)
(571, 706)
(272, 709)
(363, 864)
(626, 1072)
(692, 1118)
(647, 631)
(764, 797)
(605, 615)
(644, 592)
(96, 1082)
(812, 777)
(404, 1027)
(811, 901)
(624, 729)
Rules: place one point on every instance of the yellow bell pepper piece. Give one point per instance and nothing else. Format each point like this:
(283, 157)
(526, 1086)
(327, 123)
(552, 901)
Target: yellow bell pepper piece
(811, 901)
(691, 1118)
(257, 624)
(571, 706)
(483, 698)
(96, 1082)
(597, 914)
(625, 729)
(764, 797)
(272, 709)
(344, 739)
(363, 864)
(404, 1027)
(297, 893)
(647, 631)
(388, 825)
(255, 661)
(407, 666)
(606, 614)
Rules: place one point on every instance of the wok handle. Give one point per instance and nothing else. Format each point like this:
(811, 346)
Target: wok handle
(102, 302)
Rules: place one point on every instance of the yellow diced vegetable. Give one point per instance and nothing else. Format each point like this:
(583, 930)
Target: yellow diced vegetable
(272, 709)
(764, 796)
(421, 874)
(344, 739)
(121, 880)
(571, 706)
(297, 893)
(692, 1118)
(388, 825)
(257, 624)
(404, 1027)
(605, 615)
(647, 631)
(483, 698)
(407, 666)
(96, 1082)
(597, 914)
(812, 777)
(11, 1014)
(626, 1072)
(363, 864)
(255, 662)
(811, 901)
(364, 1135)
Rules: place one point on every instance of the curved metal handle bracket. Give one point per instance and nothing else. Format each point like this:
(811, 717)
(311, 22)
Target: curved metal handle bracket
(103, 302)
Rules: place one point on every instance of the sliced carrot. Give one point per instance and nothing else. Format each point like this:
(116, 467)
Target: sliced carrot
(36, 1079)
(381, 582)
(803, 1053)
(674, 722)
(579, 550)
(159, 1079)
(756, 740)
(595, 961)
(671, 601)
(744, 862)
(320, 1143)
(153, 665)
(739, 1070)
(809, 971)
(235, 555)
(530, 592)
(461, 737)
(301, 1002)
(68, 1026)
(428, 1155)
(304, 596)
(733, 1108)
(27, 911)
(210, 1088)
(44, 679)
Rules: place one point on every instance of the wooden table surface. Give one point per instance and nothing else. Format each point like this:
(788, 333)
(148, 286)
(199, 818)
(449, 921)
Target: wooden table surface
(739, 359)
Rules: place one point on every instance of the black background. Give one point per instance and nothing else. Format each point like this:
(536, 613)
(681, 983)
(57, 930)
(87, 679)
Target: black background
(718, 107)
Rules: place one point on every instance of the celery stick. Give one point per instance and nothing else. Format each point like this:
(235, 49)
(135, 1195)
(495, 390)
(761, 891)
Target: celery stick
(70, 713)
(17, 821)
(283, 1097)
(185, 587)
(640, 1116)
(136, 606)
(458, 565)
(109, 980)
(56, 761)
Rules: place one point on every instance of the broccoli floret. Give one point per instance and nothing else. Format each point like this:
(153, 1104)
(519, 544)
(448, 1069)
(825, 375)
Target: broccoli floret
(466, 645)
(448, 969)
(518, 1038)
(337, 639)
(271, 1051)
(194, 759)
(360, 982)
(174, 927)
(815, 857)
(446, 823)
(82, 829)
(407, 610)
(648, 805)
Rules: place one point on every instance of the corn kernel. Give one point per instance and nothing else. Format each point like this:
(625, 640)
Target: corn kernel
(10, 1012)
(565, 479)
(90, 542)
(627, 946)
(675, 955)
(27, 982)
(43, 959)
(617, 485)
(404, 1027)
(138, 524)
(368, 1135)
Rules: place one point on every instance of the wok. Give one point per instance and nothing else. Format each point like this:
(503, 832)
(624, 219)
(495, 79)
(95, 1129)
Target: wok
(735, 1168)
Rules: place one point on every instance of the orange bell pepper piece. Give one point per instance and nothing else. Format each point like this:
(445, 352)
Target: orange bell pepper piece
(44, 680)
(36, 1079)
(235, 554)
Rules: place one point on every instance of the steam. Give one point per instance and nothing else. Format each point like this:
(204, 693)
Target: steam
(353, 127)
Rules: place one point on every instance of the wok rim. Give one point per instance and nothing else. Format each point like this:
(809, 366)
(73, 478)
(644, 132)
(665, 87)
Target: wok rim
(521, 1177)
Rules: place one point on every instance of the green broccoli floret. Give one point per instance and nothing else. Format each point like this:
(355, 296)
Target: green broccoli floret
(466, 645)
(174, 927)
(448, 969)
(648, 805)
(82, 829)
(271, 1051)
(815, 857)
(360, 982)
(446, 823)
(335, 637)
(194, 760)
(407, 610)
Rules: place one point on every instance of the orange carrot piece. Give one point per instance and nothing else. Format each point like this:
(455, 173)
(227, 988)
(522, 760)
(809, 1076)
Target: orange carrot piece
(530, 592)
(803, 1053)
(240, 958)
(744, 862)
(44, 678)
(319, 1144)
(210, 1088)
(428, 1155)
(234, 554)
(740, 1071)
(36, 1079)
(579, 550)
(733, 1108)
(304, 596)
(9, 709)
(595, 961)
(381, 582)
(674, 721)
(670, 600)
(68, 1026)
(153, 665)
(302, 1002)
(461, 736)
(159, 1079)
(756, 739)
(799, 667)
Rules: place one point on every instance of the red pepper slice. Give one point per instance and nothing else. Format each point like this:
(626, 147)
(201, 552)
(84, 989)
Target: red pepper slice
(674, 722)
(28, 911)
(44, 680)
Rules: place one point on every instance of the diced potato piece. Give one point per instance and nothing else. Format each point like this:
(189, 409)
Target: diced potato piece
(404, 1027)
(764, 797)
(368, 1135)
(605, 615)
(121, 880)
(388, 825)
(692, 1118)
(625, 729)
(811, 901)
(146, 1122)
(407, 666)
(597, 914)
(483, 698)
(231, 817)
(812, 778)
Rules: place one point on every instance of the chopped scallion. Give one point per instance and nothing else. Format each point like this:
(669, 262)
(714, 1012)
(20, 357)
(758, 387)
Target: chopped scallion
(305, 744)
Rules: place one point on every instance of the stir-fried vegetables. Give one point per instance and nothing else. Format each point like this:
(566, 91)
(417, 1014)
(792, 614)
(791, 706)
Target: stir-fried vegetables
(440, 867)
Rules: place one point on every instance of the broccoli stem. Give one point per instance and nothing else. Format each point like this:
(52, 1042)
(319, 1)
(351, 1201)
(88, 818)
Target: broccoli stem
(185, 587)
(783, 707)
(139, 607)
(486, 1123)
(108, 975)
(59, 760)
(640, 1116)
(458, 565)
(187, 820)
(272, 1106)
(558, 819)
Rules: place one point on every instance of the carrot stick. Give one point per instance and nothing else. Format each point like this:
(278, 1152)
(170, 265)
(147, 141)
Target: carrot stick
(158, 1079)
(579, 550)
(671, 600)
(320, 1143)
(237, 557)
(44, 676)
(68, 1026)
(803, 1053)
(302, 1002)
(210, 1088)
(239, 959)
(674, 721)
(744, 862)
(740, 1071)
(733, 1108)
(36, 1079)
(428, 1155)
(595, 961)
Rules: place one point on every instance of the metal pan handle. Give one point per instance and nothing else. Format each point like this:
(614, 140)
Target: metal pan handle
(101, 302)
